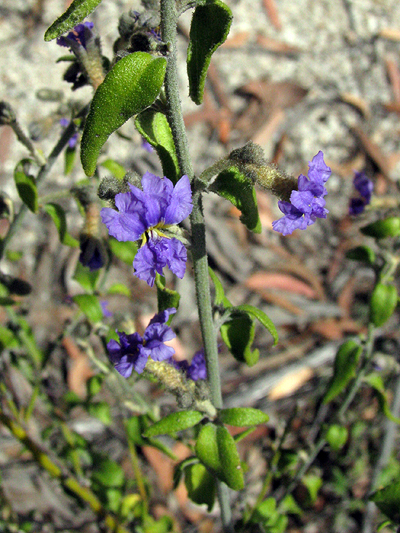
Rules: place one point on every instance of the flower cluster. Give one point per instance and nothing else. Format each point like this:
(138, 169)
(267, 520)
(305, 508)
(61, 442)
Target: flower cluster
(365, 187)
(133, 351)
(146, 214)
(196, 369)
(307, 203)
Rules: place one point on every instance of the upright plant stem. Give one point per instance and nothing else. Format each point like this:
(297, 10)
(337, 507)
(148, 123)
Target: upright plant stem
(169, 19)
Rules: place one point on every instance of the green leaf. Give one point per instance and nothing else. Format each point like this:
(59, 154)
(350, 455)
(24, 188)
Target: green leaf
(166, 298)
(200, 485)
(8, 338)
(125, 251)
(115, 168)
(362, 253)
(345, 368)
(376, 382)
(216, 449)
(238, 334)
(94, 384)
(107, 473)
(174, 422)
(135, 426)
(388, 501)
(69, 160)
(26, 185)
(208, 30)
(232, 185)
(313, 484)
(90, 306)
(242, 416)
(119, 288)
(87, 279)
(100, 410)
(130, 86)
(336, 436)
(260, 316)
(383, 303)
(57, 213)
(154, 127)
(220, 297)
(77, 11)
(389, 227)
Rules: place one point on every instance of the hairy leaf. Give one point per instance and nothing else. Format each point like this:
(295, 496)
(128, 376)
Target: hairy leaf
(173, 423)
(345, 368)
(208, 30)
(238, 189)
(77, 11)
(130, 86)
(154, 127)
(242, 416)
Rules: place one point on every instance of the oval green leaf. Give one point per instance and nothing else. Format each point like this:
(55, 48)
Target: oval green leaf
(389, 227)
(129, 87)
(216, 449)
(26, 185)
(57, 213)
(77, 11)
(232, 185)
(383, 303)
(90, 306)
(337, 436)
(362, 253)
(200, 485)
(238, 334)
(208, 30)
(388, 501)
(166, 298)
(261, 317)
(242, 416)
(154, 127)
(173, 423)
(345, 368)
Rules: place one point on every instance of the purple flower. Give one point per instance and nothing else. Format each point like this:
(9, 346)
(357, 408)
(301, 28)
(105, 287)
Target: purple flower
(93, 254)
(307, 203)
(365, 187)
(78, 37)
(146, 214)
(133, 351)
(64, 122)
(147, 146)
(104, 307)
(197, 368)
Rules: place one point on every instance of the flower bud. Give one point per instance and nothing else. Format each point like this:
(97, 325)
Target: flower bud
(111, 186)
(7, 114)
(250, 160)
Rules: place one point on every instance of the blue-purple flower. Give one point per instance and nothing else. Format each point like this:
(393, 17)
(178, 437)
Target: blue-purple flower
(307, 203)
(65, 122)
(77, 38)
(365, 187)
(196, 369)
(132, 351)
(147, 214)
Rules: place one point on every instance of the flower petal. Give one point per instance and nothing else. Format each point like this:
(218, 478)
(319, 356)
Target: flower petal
(177, 257)
(150, 259)
(180, 205)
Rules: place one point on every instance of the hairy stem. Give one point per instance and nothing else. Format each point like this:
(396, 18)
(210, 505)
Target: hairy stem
(169, 20)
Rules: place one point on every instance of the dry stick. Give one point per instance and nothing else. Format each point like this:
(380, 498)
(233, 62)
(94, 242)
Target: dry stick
(384, 456)
(66, 480)
(169, 19)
